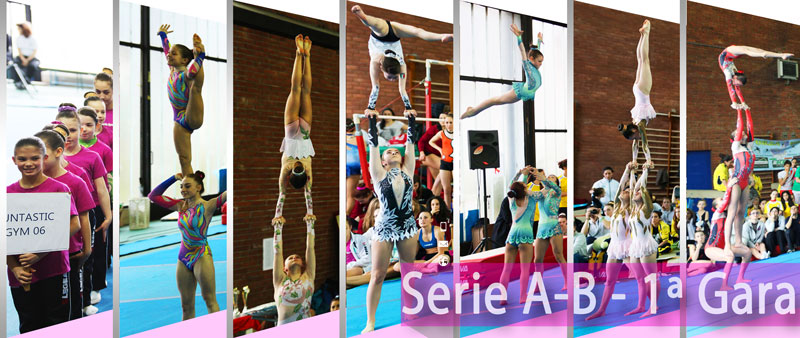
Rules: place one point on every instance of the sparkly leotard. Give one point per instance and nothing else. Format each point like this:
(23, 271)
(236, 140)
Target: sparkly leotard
(548, 202)
(192, 223)
(620, 237)
(178, 85)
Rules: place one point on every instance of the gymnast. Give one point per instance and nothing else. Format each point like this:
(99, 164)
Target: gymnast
(526, 91)
(392, 178)
(617, 251)
(642, 112)
(293, 279)
(195, 263)
(184, 86)
(736, 200)
(643, 249)
(386, 52)
(735, 78)
(297, 148)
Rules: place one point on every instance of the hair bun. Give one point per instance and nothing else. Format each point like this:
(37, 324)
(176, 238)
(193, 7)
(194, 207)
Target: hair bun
(201, 175)
(511, 194)
(620, 127)
(66, 108)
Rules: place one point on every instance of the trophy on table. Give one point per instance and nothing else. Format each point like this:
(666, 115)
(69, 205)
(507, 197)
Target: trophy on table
(245, 292)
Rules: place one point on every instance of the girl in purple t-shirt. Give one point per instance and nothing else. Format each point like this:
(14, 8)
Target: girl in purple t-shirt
(39, 281)
(80, 244)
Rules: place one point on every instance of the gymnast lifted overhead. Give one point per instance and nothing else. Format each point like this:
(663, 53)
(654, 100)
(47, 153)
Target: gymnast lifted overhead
(184, 87)
(297, 148)
(735, 78)
(642, 112)
(526, 91)
(386, 52)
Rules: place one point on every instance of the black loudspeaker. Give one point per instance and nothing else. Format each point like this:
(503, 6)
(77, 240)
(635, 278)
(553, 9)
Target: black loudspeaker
(483, 149)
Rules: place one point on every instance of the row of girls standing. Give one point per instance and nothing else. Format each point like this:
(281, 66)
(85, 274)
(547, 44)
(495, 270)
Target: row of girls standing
(52, 287)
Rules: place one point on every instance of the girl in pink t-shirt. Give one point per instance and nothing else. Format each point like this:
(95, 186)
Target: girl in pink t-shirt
(80, 245)
(39, 281)
(104, 129)
(88, 139)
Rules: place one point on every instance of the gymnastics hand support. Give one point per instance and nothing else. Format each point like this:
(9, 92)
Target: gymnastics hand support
(412, 136)
(279, 206)
(373, 97)
(156, 195)
(277, 238)
(310, 226)
(309, 203)
(373, 131)
(406, 101)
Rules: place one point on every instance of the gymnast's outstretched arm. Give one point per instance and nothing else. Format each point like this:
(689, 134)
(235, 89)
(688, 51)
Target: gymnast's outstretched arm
(162, 32)
(277, 261)
(375, 166)
(311, 260)
(622, 181)
(410, 161)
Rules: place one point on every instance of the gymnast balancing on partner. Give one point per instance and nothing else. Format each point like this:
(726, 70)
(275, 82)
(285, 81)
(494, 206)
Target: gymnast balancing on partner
(184, 87)
(297, 148)
(195, 263)
(642, 112)
(735, 78)
(526, 91)
(386, 52)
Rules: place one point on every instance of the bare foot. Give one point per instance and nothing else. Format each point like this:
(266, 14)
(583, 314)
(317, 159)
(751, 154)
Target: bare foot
(725, 286)
(468, 113)
(635, 311)
(298, 40)
(358, 12)
(369, 328)
(503, 302)
(523, 299)
(307, 46)
(786, 55)
(447, 38)
(645, 27)
(649, 312)
(564, 288)
(742, 280)
(596, 315)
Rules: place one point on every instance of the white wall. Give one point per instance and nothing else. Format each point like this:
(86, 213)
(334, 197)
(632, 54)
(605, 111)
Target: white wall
(209, 143)
(74, 35)
(489, 50)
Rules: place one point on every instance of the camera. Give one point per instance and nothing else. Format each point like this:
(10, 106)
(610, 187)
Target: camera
(594, 211)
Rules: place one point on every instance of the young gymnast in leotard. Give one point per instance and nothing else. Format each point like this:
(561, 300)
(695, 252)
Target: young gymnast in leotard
(392, 178)
(644, 248)
(717, 238)
(550, 233)
(296, 147)
(185, 87)
(736, 200)
(445, 177)
(617, 251)
(293, 279)
(734, 78)
(642, 112)
(195, 264)
(520, 237)
(526, 91)
(386, 52)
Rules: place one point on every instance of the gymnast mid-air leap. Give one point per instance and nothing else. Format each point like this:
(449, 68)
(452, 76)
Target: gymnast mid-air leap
(526, 91)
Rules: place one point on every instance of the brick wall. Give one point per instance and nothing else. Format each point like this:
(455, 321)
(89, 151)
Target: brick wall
(262, 71)
(774, 104)
(605, 69)
(358, 81)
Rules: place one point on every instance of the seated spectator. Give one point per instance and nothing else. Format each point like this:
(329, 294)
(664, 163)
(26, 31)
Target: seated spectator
(26, 57)
(753, 231)
(775, 227)
(581, 248)
(664, 235)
